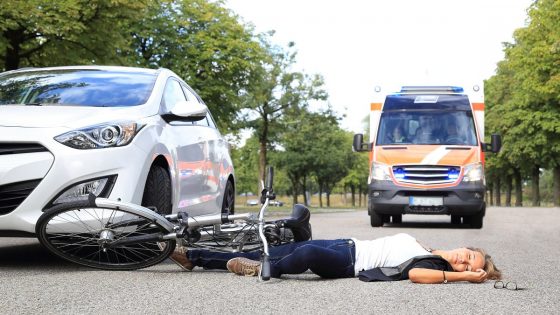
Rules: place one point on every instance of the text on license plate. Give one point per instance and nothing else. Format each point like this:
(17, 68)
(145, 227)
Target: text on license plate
(426, 201)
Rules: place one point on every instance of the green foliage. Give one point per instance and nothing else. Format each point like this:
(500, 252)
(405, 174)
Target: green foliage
(523, 97)
(277, 93)
(246, 160)
(205, 44)
(49, 33)
(314, 146)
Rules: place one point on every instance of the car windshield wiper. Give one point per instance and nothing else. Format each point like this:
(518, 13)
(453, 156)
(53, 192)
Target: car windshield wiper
(34, 104)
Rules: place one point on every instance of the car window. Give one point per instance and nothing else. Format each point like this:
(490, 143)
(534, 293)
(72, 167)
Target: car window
(172, 94)
(76, 87)
(211, 122)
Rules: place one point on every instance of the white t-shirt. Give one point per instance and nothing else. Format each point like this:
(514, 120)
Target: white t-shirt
(388, 251)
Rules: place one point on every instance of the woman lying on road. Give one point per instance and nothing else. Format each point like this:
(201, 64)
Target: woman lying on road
(396, 257)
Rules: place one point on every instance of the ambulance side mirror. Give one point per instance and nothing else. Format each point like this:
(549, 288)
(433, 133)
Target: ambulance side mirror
(358, 145)
(495, 144)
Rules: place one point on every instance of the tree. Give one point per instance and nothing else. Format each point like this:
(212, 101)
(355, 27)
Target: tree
(294, 157)
(245, 160)
(529, 96)
(276, 91)
(47, 33)
(357, 177)
(334, 156)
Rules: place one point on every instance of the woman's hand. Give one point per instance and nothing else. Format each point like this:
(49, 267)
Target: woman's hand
(477, 276)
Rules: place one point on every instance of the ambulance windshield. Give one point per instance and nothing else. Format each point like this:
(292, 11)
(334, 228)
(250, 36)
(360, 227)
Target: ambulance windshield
(427, 127)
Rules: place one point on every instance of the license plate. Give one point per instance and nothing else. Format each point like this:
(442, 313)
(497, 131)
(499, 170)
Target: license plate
(426, 201)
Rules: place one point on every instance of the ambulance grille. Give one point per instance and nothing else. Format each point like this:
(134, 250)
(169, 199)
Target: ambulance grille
(426, 174)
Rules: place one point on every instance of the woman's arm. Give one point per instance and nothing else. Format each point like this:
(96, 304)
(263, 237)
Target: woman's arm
(423, 275)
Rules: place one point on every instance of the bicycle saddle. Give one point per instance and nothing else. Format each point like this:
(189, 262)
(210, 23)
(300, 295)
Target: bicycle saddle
(298, 222)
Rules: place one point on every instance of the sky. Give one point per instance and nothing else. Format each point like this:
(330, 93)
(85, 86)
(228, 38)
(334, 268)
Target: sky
(359, 44)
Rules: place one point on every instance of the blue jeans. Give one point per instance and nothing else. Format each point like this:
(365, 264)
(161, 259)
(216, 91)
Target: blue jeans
(326, 258)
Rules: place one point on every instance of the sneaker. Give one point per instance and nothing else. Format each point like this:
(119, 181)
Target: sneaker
(179, 256)
(244, 266)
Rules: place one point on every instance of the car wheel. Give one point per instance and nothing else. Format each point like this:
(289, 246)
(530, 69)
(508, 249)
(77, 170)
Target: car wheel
(475, 221)
(228, 205)
(376, 219)
(157, 192)
(455, 219)
(397, 218)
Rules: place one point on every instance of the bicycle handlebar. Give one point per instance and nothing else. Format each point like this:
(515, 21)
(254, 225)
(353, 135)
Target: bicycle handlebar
(265, 268)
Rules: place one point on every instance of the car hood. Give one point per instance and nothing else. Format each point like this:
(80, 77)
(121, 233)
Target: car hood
(66, 116)
(427, 154)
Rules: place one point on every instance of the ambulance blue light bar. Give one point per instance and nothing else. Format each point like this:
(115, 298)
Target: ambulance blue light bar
(432, 89)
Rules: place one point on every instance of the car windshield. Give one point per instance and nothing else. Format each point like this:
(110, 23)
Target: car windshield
(76, 87)
(427, 127)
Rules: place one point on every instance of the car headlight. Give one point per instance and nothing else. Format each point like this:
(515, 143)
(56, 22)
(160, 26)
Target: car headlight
(380, 172)
(101, 187)
(107, 135)
(474, 172)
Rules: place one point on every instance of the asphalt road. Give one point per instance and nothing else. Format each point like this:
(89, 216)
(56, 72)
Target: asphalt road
(523, 241)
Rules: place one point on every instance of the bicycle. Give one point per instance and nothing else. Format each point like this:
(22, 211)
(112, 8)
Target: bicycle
(115, 235)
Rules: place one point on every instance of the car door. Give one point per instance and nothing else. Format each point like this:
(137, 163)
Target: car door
(188, 146)
(214, 181)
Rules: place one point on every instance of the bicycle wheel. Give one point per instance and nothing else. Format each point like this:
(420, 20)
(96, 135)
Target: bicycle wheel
(102, 237)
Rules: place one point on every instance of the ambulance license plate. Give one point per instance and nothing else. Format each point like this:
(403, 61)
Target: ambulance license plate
(426, 201)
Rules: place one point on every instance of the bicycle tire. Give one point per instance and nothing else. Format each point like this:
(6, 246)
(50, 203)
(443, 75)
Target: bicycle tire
(73, 232)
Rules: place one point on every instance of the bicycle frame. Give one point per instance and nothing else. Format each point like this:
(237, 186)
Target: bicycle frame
(116, 235)
(185, 224)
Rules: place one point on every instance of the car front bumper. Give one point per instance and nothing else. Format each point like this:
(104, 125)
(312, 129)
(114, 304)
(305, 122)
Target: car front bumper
(60, 167)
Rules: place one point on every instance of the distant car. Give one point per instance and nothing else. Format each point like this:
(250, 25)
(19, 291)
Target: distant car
(253, 202)
(141, 135)
(276, 203)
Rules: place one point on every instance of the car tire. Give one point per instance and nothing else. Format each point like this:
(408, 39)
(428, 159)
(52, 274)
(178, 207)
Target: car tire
(397, 218)
(476, 221)
(455, 219)
(376, 220)
(157, 192)
(228, 204)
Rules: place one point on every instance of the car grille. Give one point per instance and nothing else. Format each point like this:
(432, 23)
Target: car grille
(18, 148)
(12, 195)
(426, 174)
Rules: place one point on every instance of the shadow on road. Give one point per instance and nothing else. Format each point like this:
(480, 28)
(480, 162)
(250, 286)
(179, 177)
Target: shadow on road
(427, 225)
(29, 254)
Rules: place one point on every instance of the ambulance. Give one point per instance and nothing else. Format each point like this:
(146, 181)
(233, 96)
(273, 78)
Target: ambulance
(426, 148)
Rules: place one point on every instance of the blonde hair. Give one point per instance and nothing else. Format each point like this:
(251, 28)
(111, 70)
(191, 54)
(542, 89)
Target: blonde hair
(493, 272)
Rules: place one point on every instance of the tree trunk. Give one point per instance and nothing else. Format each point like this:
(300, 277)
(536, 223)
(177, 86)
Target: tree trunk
(535, 172)
(263, 141)
(304, 188)
(320, 196)
(360, 197)
(15, 39)
(518, 187)
(353, 191)
(491, 192)
(328, 199)
(295, 184)
(497, 189)
(508, 190)
(556, 186)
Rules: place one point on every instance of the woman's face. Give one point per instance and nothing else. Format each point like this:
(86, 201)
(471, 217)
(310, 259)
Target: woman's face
(464, 259)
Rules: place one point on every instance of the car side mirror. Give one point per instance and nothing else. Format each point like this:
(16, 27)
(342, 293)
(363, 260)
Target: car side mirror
(358, 145)
(189, 110)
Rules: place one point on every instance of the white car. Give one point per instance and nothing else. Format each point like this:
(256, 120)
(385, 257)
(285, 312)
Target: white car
(140, 135)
